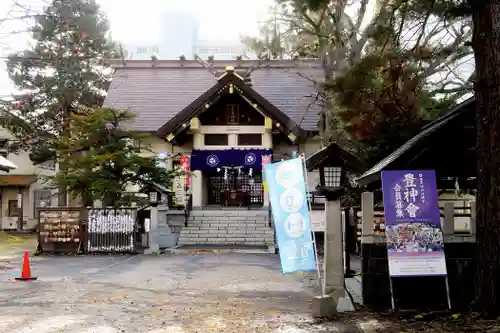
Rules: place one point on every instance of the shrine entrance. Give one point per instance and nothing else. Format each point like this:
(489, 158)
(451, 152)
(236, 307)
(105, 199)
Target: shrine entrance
(234, 187)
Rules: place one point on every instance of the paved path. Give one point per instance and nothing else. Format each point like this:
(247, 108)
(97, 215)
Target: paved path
(159, 294)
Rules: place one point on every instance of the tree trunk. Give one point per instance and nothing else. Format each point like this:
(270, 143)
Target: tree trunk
(486, 44)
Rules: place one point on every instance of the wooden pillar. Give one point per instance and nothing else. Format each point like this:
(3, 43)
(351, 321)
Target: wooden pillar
(367, 217)
(448, 222)
(374, 263)
(473, 218)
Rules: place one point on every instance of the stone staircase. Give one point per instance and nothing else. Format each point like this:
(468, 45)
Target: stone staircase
(247, 228)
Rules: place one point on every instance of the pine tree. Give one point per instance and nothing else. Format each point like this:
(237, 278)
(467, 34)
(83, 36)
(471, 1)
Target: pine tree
(486, 43)
(103, 158)
(485, 17)
(64, 70)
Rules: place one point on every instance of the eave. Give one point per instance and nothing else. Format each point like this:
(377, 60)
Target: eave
(233, 81)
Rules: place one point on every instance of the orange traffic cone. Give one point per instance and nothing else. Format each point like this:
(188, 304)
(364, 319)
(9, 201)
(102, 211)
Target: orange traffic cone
(26, 272)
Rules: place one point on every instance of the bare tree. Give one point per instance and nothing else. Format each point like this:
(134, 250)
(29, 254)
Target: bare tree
(340, 33)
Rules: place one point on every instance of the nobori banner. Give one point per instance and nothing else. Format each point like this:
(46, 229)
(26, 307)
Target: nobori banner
(413, 223)
(288, 198)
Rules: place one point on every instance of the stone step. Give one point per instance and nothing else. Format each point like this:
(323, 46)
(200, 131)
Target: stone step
(228, 225)
(267, 238)
(229, 213)
(228, 240)
(190, 228)
(202, 236)
(227, 218)
(223, 227)
(228, 236)
(225, 242)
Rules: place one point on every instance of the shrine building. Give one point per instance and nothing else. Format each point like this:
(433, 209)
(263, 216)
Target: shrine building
(220, 121)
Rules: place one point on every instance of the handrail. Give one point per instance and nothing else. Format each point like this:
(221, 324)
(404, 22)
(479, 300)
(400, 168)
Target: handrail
(270, 216)
(187, 210)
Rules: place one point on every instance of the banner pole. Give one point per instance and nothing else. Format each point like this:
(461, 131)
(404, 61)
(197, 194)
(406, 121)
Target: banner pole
(393, 303)
(318, 270)
(448, 291)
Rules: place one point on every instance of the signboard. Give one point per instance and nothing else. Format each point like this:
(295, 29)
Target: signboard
(179, 190)
(288, 198)
(413, 224)
(266, 159)
(162, 160)
(317, 218)
(184, 160)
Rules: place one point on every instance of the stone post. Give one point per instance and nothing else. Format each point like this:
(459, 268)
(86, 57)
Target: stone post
(197, 188)
(333, 264)
(333, 299)
(154, 247)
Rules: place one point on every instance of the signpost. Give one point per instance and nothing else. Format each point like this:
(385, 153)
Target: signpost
(415, 243)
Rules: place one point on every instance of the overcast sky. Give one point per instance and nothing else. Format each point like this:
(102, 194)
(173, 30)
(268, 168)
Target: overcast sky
(134, 21)
(140, 20)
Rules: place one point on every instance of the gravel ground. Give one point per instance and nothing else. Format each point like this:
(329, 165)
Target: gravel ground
(160, 294)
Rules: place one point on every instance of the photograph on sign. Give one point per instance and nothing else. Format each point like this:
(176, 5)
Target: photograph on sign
(414, 237)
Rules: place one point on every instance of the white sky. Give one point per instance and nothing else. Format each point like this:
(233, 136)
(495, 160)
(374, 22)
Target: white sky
(135, 21)
(140, 20)
(219, 19)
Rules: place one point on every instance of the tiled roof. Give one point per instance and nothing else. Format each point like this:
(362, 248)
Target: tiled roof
(157, 93)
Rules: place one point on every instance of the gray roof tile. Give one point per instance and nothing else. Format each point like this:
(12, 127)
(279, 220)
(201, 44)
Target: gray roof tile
(156, 94)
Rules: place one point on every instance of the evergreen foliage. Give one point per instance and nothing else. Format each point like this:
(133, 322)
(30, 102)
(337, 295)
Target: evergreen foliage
(381, 77)
(103, 157)
(64, 70)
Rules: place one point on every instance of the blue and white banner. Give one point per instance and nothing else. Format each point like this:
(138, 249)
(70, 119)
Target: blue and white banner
(288, 198)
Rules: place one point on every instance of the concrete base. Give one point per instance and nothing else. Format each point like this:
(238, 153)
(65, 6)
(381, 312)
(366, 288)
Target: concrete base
(221, 250)
(345, 305)
(324, 307)
(152, 250)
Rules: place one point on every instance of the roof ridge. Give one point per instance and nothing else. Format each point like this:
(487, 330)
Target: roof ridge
(217, 64)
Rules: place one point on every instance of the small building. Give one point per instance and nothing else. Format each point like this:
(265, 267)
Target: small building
(226, 118)
(23, 188)
(447, 146)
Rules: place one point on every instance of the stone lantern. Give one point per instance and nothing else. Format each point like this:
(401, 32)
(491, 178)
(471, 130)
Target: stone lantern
(335, 166)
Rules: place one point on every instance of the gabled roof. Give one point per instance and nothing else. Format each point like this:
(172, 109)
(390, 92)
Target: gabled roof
(156, 92)
(6, 165)
(373, 174)
(334, 154)
(230, 77)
